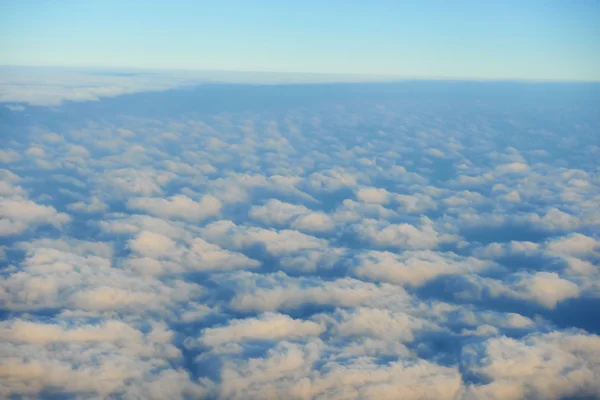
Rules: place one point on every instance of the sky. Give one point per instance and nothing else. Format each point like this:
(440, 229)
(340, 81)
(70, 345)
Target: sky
(534, 40)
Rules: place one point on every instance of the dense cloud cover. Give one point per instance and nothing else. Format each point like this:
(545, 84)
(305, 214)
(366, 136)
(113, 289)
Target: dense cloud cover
(416, 240)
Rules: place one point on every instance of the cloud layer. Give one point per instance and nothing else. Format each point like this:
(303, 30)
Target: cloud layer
(302, 242)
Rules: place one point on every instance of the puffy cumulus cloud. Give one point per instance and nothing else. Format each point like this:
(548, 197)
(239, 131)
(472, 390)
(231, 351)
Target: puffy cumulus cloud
(314, 222)
(465, 198)
(128, 181)
(268, 326)
(210, 256)
(555, 219)
(380, 324)
(512, 248)
(109, 358)
(17, 214)
(235, 188)
(179, 207)
(122, 224)
(332, 180)
(157, 254)
(574, 244)
(8, 188)
(352, 211)
(228, 234)
(373, 195)
(553, 365)
(9, 156)
(416, 202)
(95, 205)
(281, 292)
(414, 268)
(276, 212)
(545, 288)
(152, 244)
(407, 236)
(287, 371)
(77, 277)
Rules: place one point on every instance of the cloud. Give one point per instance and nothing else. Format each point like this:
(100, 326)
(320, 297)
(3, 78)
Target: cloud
(373, 195)
(574, 244)
(331, 180)
(383, 324)
(95, 205)
(551, 366)
(17, 214)
(152, 244)
(293, 242)
(286, 371)
(417, 202)
(281, 292)
(126, 182)
(545, 288)
(77, 276)
(157, 254)
(9, 156)
(515, 167)
(353, 211)
(278, 213)
(404, 235)
(414, 268)
(268, 326)
(178, 206)
(278, 243)
(109, 357)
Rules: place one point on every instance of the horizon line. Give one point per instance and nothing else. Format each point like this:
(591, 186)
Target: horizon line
(374, 78)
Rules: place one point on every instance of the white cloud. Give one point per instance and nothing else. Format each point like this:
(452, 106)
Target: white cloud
(383, 324)
(76, 276)
(373, 195)
(545, 288)
(276, 212)
(281, 292)
(435, 153)
(417, 202)
(318, 251)
(95, 205)
(331, 180)
(352, 211)
(515, 168)
(268, 326)
(9, 156)
(287, 372)
(551, 366)
(152, 244)
(107, 358)
(574, 244)
(414, 268)
(126, 181)
(403, 235)
(17, 214)
(230, 235)
(157, 254)
(178, 207)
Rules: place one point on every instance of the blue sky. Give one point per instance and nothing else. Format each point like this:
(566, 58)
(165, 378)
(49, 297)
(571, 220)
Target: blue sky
(430, 39)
